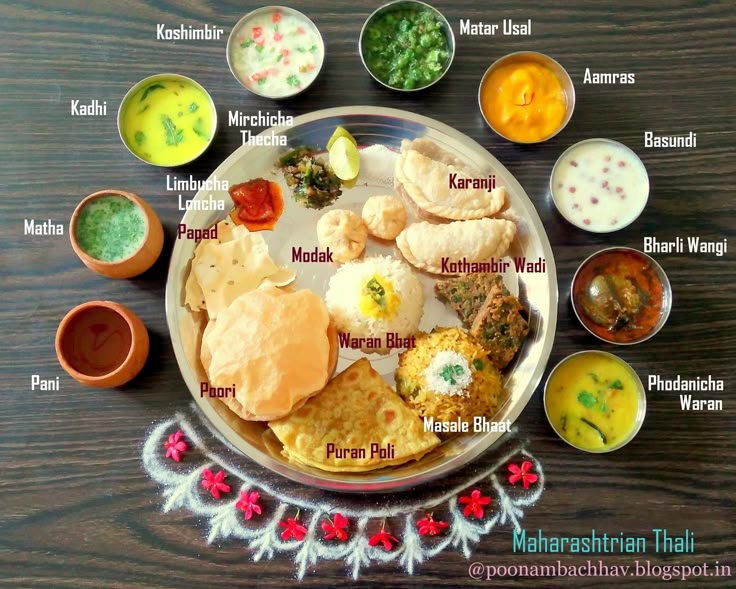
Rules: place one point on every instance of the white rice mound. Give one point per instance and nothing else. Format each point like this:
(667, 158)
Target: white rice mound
(344, 293)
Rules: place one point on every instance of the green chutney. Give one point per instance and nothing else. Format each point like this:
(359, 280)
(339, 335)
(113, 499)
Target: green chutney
(406, 48)
(110, 228)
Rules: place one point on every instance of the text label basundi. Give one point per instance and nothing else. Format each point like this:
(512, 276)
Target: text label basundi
(668, 141)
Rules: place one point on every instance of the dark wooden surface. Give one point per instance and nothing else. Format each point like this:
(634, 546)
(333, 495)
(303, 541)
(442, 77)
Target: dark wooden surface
(76, 509)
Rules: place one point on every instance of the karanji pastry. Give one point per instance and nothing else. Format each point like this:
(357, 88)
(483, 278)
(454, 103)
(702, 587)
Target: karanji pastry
(424, 244)
(423, 171)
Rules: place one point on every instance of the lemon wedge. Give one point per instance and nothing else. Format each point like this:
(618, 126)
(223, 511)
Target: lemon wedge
(341, 132)
(344, 159)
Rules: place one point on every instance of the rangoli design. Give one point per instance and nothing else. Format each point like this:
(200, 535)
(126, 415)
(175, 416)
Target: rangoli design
(240, 503)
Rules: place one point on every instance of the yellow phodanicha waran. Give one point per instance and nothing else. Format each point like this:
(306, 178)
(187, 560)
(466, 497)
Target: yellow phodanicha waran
(524, 101)
(168, 122)
(592, 401)
(378, 299)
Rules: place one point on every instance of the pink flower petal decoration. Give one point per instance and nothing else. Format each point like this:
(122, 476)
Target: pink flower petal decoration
(175, 446)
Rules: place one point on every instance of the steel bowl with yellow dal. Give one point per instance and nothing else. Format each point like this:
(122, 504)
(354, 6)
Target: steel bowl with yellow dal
(448, 376)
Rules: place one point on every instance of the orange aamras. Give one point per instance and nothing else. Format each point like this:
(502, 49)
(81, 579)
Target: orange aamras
(523, 101)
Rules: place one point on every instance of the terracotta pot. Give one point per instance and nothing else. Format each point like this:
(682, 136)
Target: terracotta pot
(137, 263)
(102, 344)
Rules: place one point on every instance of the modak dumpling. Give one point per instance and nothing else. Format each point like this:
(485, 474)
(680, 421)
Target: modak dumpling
(384, 216)
(343, 232)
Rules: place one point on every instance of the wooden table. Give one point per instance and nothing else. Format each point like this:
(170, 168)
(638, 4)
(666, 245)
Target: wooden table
(77, 510)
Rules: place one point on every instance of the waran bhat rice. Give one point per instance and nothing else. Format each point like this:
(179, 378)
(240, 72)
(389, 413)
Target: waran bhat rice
(276, 348)
(375, 296)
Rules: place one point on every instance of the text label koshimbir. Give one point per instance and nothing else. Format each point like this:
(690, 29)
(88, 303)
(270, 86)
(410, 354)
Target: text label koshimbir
(188, 33)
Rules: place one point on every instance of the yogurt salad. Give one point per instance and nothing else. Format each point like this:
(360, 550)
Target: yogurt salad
(600, 185)
(275, 52)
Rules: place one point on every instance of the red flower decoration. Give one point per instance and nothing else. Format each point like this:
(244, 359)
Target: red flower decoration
(383, 537)
(248, 502)
(175, 445)
(429, 527)
(335, 528)
(522, 474)
(276, 16)
(292, 529)
(214, 482)
(257, 32)
(474, 504)
(277, 36)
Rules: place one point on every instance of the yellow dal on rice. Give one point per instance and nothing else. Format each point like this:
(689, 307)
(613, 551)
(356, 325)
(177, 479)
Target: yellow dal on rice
(481, 397)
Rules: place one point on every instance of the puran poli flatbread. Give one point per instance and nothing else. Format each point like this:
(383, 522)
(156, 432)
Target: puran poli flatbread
(224, 268)
(356, 409)
(423, 172)
(277, 348)
(424, 245)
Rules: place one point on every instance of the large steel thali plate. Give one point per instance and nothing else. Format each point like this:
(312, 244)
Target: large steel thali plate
(369, 125)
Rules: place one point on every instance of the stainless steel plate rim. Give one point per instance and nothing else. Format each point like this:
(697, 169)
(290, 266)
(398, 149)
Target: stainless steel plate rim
(378, 481)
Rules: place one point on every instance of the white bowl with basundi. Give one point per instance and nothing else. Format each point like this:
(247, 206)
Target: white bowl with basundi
(599, 185)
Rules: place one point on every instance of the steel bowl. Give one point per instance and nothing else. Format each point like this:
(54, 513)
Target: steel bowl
(232, 45)
(401, 5)
(553, 190)
(163, 78)
(640, 414)
(549, 63)
(661, 275)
